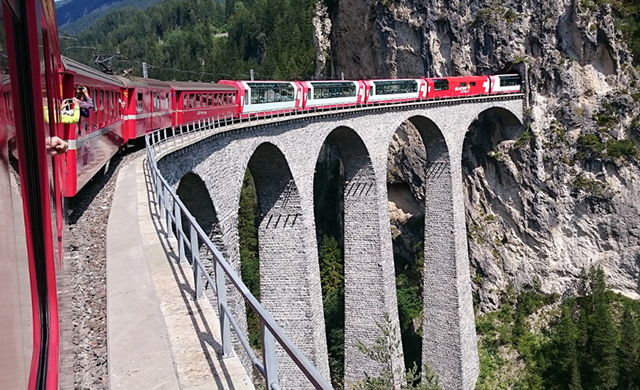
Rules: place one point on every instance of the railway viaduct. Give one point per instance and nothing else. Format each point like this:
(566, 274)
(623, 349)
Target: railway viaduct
(282, 158)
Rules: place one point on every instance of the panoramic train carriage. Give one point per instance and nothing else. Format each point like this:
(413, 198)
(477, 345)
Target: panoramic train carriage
(195, 101)
(146, 105)
(330, 94)
(506, 83)
(31, 223)
(98, 134)
(398, 90)
(454, 87)
(260, 98)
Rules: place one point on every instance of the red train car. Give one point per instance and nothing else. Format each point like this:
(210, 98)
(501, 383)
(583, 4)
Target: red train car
(395, 90)
(95, 138)
(31, 184)
(195, 101)
(259, 98)
(454, 87)
(146, 106)
(506, 83)
(330, 94)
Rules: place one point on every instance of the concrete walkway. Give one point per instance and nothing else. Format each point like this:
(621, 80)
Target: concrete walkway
(159, 337)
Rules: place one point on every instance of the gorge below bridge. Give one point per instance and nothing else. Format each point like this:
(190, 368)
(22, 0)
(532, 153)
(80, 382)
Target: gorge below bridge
(282, 157)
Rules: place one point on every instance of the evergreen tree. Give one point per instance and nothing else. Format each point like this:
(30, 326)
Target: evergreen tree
(564, 369)
(331, 267)
(601, 363)
(629, 352)
(249, 258)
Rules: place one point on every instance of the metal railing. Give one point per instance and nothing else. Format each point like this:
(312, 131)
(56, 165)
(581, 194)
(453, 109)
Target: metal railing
(173, 212)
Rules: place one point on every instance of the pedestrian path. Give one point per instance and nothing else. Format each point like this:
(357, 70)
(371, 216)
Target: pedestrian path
(158, 336)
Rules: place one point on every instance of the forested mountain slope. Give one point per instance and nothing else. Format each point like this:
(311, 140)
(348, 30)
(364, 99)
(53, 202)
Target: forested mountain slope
(76, 15)
(205, 40)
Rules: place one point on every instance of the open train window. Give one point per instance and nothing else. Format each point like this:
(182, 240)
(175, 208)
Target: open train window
(184, 100)
(139, 104)
(440, 85)
(198, 100)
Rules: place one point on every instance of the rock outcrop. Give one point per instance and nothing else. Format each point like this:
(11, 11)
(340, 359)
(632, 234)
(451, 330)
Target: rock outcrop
(566, 195)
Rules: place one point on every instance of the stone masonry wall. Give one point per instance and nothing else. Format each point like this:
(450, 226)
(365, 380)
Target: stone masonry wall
(450, 343)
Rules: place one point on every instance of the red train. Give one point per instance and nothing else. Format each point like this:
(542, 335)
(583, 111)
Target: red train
(127, 108)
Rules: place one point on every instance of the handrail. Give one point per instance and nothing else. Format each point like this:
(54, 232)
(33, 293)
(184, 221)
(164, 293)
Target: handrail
(172, 210)
(167, 200)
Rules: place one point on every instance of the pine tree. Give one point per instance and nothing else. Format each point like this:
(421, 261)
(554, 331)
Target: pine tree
(331, 267)
(564, 369)
(629, 352)
(601, 361)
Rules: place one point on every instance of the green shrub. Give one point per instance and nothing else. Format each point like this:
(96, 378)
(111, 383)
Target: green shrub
(621, 148)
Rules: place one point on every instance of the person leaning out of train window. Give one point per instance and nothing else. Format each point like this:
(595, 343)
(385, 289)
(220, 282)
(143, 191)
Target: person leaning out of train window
(70, 111)
(86, 103)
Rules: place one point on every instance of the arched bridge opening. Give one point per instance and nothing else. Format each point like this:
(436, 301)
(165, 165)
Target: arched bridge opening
(360, 293)
(289, 275)
(493, 167)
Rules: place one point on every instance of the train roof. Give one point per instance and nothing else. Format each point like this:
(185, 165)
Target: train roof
(140, 82)
(89, 72)
(201, 87)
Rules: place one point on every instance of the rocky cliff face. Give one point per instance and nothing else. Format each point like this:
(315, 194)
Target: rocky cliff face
(566, 195)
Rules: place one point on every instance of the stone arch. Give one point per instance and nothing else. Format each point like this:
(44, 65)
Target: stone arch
(486, 134)
(289, 277)
(368, 275)
(449, 340)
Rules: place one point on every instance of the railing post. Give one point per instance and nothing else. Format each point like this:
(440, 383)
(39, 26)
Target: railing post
(177, 215)
(159, 198)
(167, 209)
(269, 356)
(221, 292)
(173, 131)
(195, 255)
(165, 135)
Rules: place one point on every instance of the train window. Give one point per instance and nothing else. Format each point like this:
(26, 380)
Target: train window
(396, 86)
(198, 97)
(372, 91)
(166, 101)
(472, 84)
(209, 100)
(246, 97)
(95, 99)
(233, 99)
(101, 104)
(509, 81)
(118, 105)
(184, 100)
(111, 101)
(463, 84)
(440, 85)
(139, 107)
(192, 100)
